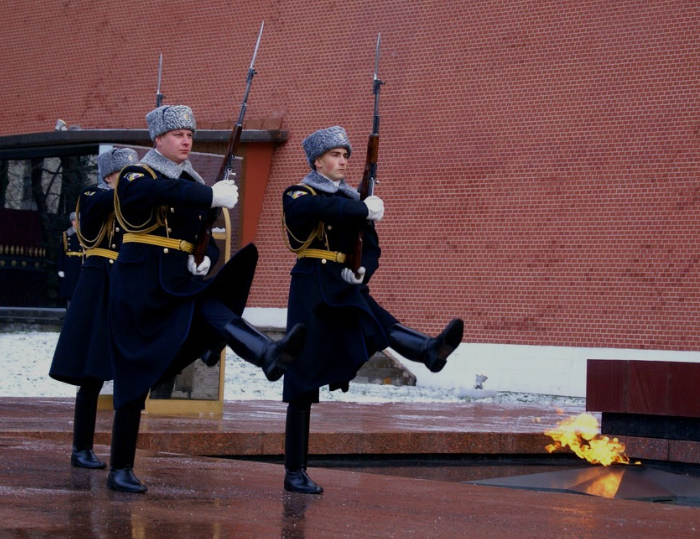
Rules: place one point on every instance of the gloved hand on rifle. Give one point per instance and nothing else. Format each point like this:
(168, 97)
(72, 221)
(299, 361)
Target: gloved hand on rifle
(224, 194)
(375, 206)
(349, 276)
(203, 267)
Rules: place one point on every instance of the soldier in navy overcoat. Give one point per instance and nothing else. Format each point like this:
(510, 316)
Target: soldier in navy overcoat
(163, 314)
(82, 353)
(70, 260)
(323, 216)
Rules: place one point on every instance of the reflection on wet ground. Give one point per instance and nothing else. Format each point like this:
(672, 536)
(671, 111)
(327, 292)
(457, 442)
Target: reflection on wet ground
(419, 496)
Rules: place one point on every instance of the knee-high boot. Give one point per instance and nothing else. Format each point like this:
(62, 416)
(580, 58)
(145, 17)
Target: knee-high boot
(85, 416)
(257, 348)
(296, 453)
(125, 431)
(432, 352)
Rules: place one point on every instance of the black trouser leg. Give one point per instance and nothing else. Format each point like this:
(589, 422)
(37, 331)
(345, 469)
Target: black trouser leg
(296, 450)
(432, 352)
(125, 431)
(84, 419)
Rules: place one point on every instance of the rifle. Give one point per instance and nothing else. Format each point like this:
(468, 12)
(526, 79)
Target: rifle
(226, 171)
(369, 176)
(159, 96)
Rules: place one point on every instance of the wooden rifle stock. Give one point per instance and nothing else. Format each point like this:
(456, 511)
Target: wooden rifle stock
(366, 189)
(213, 214)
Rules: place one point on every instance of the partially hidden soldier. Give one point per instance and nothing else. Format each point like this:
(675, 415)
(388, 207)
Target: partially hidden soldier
(346, 326)
(81, 357)
(163, 314)
(70, 260)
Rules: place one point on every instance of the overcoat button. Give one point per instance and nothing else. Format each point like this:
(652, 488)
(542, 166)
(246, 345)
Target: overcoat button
(329, 227)
(165, 250)
(323, 261)
(111, 261)
(116, 229)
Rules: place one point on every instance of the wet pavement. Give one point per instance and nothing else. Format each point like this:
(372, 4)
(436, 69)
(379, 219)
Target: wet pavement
(198, 497)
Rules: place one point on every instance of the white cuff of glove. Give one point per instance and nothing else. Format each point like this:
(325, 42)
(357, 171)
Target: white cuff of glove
(349, 276)
(224, 194)
(375, 207)
(203, 267)
(61, 274)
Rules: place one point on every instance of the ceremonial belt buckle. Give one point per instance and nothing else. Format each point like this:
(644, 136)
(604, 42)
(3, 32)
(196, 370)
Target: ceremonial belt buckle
(98, 251)
(333, 256)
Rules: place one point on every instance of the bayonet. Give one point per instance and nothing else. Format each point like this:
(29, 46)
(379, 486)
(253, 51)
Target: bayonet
(159, 96)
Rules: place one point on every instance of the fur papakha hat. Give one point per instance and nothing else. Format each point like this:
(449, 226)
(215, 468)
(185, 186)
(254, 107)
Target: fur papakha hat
(318, 143)
(114, 160)
(169, 118)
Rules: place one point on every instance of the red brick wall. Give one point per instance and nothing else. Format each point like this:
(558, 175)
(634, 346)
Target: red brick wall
(539, 159)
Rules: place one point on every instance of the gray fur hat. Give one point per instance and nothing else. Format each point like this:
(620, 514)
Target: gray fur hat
(168, 118)
(114, 160)
(318, 143)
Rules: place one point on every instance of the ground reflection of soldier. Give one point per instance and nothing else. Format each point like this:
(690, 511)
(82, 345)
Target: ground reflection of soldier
(70, 259)
(81, 356)
(163, 315)
(323, 217)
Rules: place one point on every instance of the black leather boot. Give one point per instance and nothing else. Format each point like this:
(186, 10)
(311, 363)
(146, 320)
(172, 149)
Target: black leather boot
(296, 451)
(432, 352)
(84, 418)
(212, 356)
(258, 349)
(125, 432)
(86, 458)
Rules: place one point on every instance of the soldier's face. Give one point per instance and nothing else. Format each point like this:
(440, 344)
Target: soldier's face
(109, 179)
(175, 145)
(332, 164)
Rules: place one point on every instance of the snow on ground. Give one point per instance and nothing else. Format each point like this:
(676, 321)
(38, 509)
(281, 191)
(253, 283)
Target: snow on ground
(26, 358)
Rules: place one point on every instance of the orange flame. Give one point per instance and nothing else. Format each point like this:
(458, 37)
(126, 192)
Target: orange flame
(580, 434)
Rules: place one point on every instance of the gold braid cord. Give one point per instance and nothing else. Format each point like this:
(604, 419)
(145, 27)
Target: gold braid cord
(318, 232)
(91, 243)
(143, 228)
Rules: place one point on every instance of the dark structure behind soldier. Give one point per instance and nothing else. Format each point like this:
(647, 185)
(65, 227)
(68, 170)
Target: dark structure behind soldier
(163, 314)
(323, 216)
(82, 353)
(70, 259)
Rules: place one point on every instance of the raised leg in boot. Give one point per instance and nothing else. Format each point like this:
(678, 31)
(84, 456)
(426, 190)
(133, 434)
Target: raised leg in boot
(296, 452)
(432, 352)
(125, 431)
(257, 348)
(82, 455)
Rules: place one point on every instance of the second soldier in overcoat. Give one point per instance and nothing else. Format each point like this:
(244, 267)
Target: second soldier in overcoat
(82, 353)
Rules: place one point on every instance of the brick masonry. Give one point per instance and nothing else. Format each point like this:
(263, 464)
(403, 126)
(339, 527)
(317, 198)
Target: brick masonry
(539, 159)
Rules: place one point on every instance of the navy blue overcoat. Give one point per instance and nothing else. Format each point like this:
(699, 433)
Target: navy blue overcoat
(345, 324)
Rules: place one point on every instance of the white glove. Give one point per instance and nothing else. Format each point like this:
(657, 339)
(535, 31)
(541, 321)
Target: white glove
(375, 205)
(203, 267)
(224, 194)
(61, 274)
(349, 276)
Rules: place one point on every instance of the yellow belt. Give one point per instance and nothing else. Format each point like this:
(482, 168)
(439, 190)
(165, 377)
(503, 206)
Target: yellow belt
(97, 251)
(74, 253)
(333, 256)
(171, 243)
